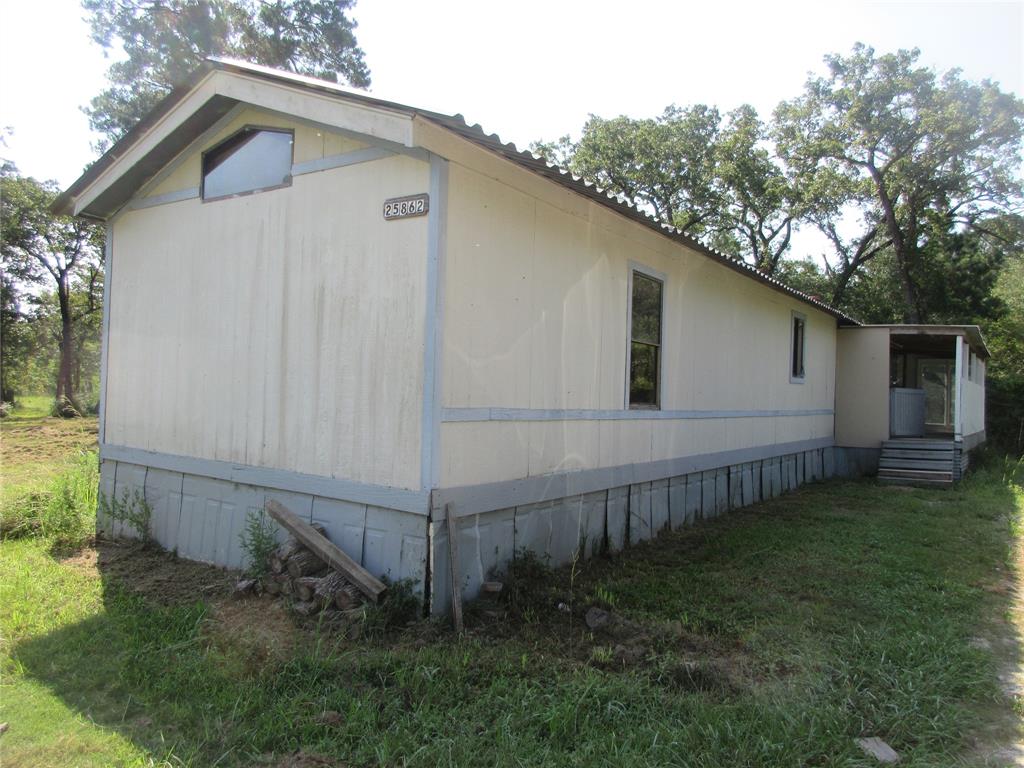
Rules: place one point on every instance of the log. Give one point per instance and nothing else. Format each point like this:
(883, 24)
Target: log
(327, 588)
(305, 587)
(279, 560)
(285, 582)
(347, 598)
(363, 580)
(305, 608)
(272, 586)
(305, 563)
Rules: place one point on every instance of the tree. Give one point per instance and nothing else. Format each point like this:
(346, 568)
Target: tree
(693, 172)
(37, 246)
(920, 156)
(665, 164)
(762, 205)
(165, 40)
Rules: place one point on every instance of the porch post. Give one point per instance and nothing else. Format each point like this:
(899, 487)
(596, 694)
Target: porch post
(957, 410)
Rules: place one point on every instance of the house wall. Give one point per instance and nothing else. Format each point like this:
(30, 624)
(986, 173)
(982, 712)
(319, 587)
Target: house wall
(862, 387)
(536, 319)
(972, 398)
(279, 330)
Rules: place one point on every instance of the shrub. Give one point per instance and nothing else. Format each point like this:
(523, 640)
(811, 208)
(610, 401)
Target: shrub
(258, 541)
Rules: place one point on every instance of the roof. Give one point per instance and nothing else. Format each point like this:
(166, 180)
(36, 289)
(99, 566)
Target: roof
(111, 201)
(970, 332)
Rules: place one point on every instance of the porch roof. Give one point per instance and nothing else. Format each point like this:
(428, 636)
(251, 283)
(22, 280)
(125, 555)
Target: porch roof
(971, 333)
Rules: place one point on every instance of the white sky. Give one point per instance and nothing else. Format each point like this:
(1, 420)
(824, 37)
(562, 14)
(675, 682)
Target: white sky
(534, 69)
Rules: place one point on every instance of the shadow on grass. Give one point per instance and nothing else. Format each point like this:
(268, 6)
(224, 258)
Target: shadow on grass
(865, 607)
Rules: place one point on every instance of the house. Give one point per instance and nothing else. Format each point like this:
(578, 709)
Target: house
(377, 314)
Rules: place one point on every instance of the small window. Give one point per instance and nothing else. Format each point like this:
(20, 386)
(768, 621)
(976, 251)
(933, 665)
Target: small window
(251, 160)
(645, 342)
(796, 368)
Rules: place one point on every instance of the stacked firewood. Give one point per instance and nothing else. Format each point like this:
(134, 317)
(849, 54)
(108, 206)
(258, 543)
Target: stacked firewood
(298, 573)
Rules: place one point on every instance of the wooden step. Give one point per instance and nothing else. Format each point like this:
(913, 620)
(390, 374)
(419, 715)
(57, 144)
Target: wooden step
(918, 445)
(915, 482)
(920, 474)
(893, 453)
(938, 464)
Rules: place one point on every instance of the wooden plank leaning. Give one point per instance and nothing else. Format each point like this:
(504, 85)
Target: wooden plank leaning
(362, 579)
(453, 566)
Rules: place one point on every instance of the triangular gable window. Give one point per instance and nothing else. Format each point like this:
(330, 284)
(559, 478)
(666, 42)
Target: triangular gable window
(251, 160)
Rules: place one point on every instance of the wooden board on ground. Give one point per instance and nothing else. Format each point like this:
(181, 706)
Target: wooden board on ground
(363, 580)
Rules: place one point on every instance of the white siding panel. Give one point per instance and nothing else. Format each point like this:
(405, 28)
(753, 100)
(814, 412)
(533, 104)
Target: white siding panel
(536, 318)
(281, 329)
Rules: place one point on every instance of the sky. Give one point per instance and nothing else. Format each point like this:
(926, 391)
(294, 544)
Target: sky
(534, 69)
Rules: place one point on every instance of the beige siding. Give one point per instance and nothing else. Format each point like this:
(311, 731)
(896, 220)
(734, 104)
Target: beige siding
(535, 317)
(972, 394)
(282, 329)
(862, 387)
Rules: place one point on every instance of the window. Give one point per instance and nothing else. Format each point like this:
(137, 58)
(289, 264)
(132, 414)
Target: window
(251, 160)
(796, 367)
(645, 341)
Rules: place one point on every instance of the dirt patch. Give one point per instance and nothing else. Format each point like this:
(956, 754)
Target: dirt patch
(160, 577)
(260, 627)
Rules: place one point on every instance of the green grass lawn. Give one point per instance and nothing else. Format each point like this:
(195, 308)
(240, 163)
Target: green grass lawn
(770, 637)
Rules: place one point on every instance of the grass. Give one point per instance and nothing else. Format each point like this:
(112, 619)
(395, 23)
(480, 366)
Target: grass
(35, 447)
(770, 637)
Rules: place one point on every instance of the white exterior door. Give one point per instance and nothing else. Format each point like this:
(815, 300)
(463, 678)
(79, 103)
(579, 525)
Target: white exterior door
(936, 378)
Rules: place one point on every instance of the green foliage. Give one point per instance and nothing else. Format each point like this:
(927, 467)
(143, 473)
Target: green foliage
(63, 511)
(52, 293)
(131, 510)
(915, 157)
(166, 41)
(694, 172)
(259, 541)
(401, 604)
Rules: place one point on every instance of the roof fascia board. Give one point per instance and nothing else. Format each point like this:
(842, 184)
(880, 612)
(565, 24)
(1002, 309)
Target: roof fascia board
(194, 146)
(203, 92)
(459, 149)
(331, 111)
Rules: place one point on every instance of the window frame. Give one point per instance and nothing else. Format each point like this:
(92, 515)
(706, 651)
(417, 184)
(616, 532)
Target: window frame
(795, 317)
(662, 278)
(248, 127)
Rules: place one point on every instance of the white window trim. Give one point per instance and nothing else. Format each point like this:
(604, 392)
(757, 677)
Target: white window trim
(793, 316)
(662, 278)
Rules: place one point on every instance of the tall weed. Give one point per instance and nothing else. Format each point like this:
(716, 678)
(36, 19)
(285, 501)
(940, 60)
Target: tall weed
(62, 510)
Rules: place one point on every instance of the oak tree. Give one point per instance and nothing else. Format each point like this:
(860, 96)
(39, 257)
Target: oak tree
(165, 40)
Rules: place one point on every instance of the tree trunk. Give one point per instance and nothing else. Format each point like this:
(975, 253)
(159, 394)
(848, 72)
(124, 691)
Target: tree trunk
(65, 385)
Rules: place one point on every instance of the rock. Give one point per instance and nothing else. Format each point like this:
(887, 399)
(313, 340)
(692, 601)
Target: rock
(597, 618)
(245, 587)
(878, 749)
